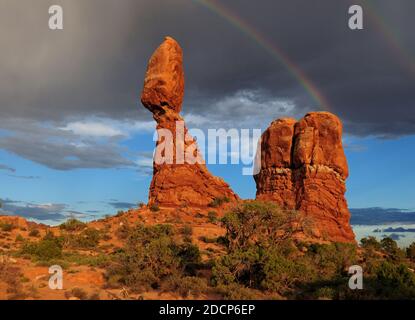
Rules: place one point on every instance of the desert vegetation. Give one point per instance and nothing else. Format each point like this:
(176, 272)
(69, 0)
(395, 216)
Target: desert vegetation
(256, 255)
(261, 260)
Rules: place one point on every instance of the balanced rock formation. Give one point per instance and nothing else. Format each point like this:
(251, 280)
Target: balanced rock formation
(303, 167)
(176, 181)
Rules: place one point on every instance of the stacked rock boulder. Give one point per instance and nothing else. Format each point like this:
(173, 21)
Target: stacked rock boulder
(303, 167)
(176, 184)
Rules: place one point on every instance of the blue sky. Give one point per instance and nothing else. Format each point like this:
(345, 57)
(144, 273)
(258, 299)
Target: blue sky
(379, 177)
(74, 139)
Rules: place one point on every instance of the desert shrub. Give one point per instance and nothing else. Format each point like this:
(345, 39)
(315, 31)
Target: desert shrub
(34, 233)
(123, 231)
(154, 208)
(19, 238)
(212, 216)
(326, 293)
(87, 239)
(186, 286)
(410, 252)
(72, 225)
(189, 257)
(217, 202)
(141, 205)
(97, 260)
(261, 254)
(261, 223)
(208, 240)
(150, 256)
(50, 247)
(394, 281)
(120, 213)
(390, 247)
(12, 275)
(77, 293)
(187, 231)
(370, 243)
(332, 259)
(7, 227)
(273, 268)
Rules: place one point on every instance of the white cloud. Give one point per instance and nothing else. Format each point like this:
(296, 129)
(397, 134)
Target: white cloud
(92, 129)
(244, 109)
(147, 126)
(48, 144)
(107, 128)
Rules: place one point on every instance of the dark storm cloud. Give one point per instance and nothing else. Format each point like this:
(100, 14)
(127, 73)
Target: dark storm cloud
(53, 212)
(95, 66)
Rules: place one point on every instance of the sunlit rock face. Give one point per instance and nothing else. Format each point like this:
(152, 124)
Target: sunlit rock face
(176, 182)
(303, 167)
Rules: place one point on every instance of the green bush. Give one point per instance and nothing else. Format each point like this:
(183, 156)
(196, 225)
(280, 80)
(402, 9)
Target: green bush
(262, 256)
(154, 208)
(87, 239)
(99, 261)
(72, 225)
(217, 202)
(390, 247)
(187, 230)
(332, 259)
(150, 257)
(262, 223)
(410, 252)
(34, 233)
(370, 243)
(186, 286)
(7, 227)
(208, 240)
(77, 293)
(212, 216)
(395, 281)
(46, 249)
(120, 213)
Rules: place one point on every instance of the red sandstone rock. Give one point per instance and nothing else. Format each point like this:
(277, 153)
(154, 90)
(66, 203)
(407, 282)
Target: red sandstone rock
(277, 143)
(164, 80)
(318, 141)
(303, 167)
(176, 184)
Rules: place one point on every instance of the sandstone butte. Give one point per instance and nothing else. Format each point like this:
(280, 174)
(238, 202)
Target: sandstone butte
(304, 168)
(176, 184)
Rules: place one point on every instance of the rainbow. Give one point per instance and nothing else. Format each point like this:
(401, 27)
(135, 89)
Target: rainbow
(392, 40)
(269, 46)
